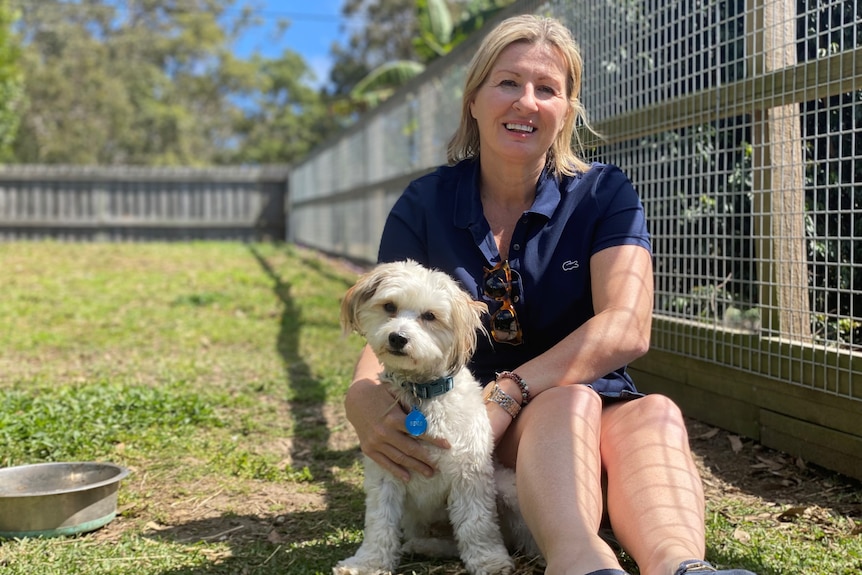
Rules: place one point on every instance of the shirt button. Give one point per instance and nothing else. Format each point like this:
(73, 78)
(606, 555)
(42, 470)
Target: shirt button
(516, 247)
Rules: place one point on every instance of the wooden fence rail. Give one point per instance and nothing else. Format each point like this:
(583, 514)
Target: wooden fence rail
(142, 204)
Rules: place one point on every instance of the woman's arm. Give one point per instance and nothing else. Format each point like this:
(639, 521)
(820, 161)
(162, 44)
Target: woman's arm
(618, 333)
(379, 423)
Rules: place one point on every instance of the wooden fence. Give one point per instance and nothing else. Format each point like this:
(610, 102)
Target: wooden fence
(73, 203)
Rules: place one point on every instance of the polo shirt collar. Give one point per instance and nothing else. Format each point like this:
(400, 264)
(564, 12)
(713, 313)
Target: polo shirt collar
(547, 195)
(468, 204)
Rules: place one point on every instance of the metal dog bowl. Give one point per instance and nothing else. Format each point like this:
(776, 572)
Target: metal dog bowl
(55, 499)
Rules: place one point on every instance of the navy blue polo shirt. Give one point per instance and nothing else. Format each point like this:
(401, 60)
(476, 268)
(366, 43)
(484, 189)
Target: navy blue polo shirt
(438, 221)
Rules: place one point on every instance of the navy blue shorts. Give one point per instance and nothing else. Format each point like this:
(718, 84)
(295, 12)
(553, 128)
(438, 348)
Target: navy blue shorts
(615, 387)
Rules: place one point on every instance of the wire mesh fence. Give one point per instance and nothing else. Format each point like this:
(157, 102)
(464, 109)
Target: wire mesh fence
(753, 192)
(740, 123)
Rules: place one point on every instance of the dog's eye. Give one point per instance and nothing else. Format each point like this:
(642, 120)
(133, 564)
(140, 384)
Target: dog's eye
(390, 308)
(429, 316)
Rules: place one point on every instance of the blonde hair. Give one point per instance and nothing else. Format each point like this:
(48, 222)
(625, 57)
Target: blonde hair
(563, 156)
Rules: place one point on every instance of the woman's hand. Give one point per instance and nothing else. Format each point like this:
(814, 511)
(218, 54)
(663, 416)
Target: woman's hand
(379, 423)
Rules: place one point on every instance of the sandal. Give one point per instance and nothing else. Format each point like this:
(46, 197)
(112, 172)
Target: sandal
(696, 566)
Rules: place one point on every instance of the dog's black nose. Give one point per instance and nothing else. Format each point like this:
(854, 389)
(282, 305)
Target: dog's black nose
(397, 341)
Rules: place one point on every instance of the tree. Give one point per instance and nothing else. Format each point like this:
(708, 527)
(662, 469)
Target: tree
(11, 79)
(131, 83)
(387, 33)
(381, 58)
(155, 83)
(288, 117)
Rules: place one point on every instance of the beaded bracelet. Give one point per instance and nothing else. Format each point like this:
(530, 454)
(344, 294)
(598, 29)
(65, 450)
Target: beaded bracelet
(525, 391)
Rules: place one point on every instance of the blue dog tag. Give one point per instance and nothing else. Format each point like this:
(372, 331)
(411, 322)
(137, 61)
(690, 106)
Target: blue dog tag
(415, 423)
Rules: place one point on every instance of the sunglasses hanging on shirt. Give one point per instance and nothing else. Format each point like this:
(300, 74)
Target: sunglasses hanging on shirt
(497, 285)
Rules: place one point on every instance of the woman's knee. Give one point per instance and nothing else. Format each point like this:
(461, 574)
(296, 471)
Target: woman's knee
(659, 406)
(570, 399)
(652, 409)
(647, 418)
(572, 410)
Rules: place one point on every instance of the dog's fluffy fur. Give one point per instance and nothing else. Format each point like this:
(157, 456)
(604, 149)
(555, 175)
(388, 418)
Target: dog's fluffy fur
(423, 326)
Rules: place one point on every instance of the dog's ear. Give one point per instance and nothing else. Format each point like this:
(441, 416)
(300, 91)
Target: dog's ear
(358, 294)
(467, 321)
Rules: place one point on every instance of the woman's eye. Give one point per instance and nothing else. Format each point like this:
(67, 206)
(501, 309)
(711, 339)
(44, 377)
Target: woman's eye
(507, 83)
(548, 90)
(429, 316)
(390, 308)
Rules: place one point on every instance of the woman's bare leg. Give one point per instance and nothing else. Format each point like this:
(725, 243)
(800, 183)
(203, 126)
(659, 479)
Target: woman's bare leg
(555, 442)
(654, 493)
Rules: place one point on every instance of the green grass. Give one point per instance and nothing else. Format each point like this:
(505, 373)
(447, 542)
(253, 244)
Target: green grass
(215, 373)
(88, 421)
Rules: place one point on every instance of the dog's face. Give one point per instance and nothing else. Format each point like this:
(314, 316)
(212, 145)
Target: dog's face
(417, 321)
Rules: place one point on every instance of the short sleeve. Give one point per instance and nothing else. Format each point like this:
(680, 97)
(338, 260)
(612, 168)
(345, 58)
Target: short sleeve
(623, 221)
(403, 236)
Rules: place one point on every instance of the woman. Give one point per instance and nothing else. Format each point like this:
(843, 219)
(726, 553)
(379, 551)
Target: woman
(560, 252)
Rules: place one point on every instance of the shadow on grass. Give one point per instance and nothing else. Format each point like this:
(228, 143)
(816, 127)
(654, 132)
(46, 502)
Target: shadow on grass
(307, 394)
(743, 480)
(301, 542)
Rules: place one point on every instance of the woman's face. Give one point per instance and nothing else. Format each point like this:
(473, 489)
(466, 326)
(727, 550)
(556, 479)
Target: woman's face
(522, 104)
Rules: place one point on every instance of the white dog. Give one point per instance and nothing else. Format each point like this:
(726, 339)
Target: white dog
(423, 328)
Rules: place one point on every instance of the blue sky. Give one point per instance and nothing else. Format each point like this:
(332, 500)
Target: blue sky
(314, 26)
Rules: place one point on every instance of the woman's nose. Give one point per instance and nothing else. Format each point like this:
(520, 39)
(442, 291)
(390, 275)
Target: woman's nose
(527, 99)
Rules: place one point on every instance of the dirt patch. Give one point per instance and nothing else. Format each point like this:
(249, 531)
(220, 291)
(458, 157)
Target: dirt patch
(734, 465)
(739, 473)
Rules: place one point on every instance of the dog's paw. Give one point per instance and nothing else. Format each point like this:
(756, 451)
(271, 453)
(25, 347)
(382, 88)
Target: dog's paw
(494, 565)
(353, 567)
